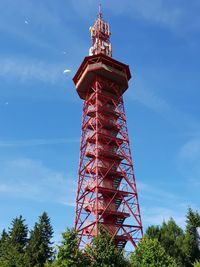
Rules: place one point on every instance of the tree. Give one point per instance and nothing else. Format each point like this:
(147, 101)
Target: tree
(18, 234)
(68, 253)
(150, 253)
(171, 237)
(191, 244)
(40, 248)
(197, 264)
(3, 247)
(13, 244)
(104, 253)
(172, 240)
(3, 242)
(153, 232)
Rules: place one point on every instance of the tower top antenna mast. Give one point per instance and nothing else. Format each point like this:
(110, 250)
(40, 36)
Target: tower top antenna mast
(100, 14)
(100, 35)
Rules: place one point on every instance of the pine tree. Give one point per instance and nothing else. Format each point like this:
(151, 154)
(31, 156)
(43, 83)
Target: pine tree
(3, 243)
(18, 234)
(191, 244)
(46, 231)
(13, 244)
(40, 248)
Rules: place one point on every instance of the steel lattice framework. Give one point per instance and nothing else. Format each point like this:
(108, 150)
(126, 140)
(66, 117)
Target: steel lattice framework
(106, 193)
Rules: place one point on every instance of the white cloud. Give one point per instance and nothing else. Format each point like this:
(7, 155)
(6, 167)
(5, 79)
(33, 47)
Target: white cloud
(38, 142)
(156, 215)
(4, 188)
(170, 14)
(26, 69)
(190, 151)
(155, 11)
(30, 179)
(155, 193)
(148, 98)
(188, 160)
(158, 205)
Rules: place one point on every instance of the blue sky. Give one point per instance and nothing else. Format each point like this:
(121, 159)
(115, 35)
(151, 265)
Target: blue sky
(40, 112)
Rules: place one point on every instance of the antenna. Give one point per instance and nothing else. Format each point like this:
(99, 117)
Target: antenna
(100, 35)
(100, 15)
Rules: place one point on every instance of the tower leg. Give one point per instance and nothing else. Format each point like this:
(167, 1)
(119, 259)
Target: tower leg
(107, 193)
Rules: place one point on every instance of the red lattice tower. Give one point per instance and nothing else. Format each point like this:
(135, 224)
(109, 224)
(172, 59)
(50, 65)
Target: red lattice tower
(106, 193)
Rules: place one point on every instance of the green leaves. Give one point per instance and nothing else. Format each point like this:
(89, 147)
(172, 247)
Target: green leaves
(197, 264)
(180, 245)
(100, 253)
(103, 252)
(68, 253)
(150, 253)
(162, 246)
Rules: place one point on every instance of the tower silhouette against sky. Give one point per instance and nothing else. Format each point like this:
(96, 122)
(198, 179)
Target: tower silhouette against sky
(106, 193)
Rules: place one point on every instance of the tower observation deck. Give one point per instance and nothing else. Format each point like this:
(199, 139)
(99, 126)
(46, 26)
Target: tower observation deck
(106, 192)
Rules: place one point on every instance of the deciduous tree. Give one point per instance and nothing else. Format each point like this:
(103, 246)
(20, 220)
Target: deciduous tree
(68, 253)
(104, 253)
(150, 253)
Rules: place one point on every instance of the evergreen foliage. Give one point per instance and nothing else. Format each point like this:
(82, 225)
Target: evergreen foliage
(150, 253)
(3, 243)
(171, 237)
(162, 246)
(40, 249)
(191, 242)
(13, 244)
(180, 245)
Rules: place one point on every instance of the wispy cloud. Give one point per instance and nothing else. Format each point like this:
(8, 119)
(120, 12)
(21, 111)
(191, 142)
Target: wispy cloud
(13, 21)
(188, 160)
(43, 26)
(156, 215)
(38, 142)
(30, 179)
(155, 192)
(169, 14)
(158, 205)
(147, 97)
(25, 69)
(157, 11)
(190, 150)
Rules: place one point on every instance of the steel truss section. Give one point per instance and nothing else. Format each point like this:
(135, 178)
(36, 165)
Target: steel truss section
(107, 192)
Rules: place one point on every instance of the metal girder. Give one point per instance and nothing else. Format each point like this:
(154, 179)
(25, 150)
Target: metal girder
(106, 193)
